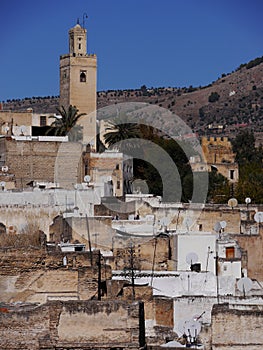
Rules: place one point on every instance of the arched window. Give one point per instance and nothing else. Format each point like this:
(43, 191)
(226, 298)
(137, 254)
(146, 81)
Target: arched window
(82, 77)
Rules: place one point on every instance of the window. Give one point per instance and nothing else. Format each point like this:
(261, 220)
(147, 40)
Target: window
(232, 174)
(86, 169)
(230, 252)
(43, 120)
(82, 77)
(79, 46)
(118, 185)
(117, 167)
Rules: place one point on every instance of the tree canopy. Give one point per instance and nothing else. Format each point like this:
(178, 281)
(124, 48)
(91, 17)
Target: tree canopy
(249, 159)
(65, 123)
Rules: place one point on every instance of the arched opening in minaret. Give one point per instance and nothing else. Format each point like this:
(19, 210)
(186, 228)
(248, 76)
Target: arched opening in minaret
(83, 77)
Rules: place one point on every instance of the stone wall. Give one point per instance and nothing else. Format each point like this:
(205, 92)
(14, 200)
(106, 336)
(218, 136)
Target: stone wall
(252, 245)
(11, 119)
(217, 150)
(58, 162)
(104, 167)
(149, 253)
(33, 275)
(73, 324)
(237, 326)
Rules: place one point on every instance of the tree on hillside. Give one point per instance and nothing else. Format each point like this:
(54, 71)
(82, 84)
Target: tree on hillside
(65, 123)
(250, 183)
(245, 149)
(213, 97)
(249, 159)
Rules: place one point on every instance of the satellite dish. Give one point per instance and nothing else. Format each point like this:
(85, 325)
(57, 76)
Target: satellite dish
(5, 169)
(258, 217)
(244, 284)
(22, 129)
(164, 221)
(181, 326)
(86, 178)
(187, 222)
(248, 200)
(232, 202)
(222, 224)
(217, 227)
(192, 328)
(191, 258)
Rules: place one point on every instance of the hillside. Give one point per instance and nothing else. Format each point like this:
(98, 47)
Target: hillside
(231, 102)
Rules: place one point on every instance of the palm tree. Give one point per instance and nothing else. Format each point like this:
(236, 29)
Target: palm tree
(65, 123)
(118, 130)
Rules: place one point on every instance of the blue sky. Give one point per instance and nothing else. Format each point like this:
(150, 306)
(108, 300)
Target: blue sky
(152, 42)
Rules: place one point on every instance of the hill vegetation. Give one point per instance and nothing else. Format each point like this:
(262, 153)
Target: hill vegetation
(231, 106)
(232, 102)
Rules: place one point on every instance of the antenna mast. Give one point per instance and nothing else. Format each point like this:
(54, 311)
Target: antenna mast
(85, 16)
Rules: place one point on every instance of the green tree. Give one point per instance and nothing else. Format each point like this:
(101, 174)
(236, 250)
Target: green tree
(249, 159)
(213, 97)
(118, 130)
(65, 123)
(219, 188)
(245, 149)
(250, 183)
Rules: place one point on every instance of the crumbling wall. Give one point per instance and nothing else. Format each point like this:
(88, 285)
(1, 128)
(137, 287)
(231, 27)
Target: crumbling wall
(252, 245)
(37, 276)
(237, 326)
(73, 324)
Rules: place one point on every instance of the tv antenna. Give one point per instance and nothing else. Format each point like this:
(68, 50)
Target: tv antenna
(85, 16)
(244, 285)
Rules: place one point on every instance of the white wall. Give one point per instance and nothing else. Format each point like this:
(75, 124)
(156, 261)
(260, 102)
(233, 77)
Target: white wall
(198, 243)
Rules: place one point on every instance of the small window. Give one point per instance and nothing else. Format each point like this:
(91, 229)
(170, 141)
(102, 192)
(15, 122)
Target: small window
(86, 169)
(79, 46)
(230, 252)
(82, 77)
(43, 120)
(232, 174)
(117, 167)
(118, 185)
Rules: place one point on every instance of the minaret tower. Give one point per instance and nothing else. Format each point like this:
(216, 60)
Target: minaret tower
(78, 76)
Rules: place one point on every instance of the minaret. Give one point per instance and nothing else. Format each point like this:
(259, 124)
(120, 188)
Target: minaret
(78, 76)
